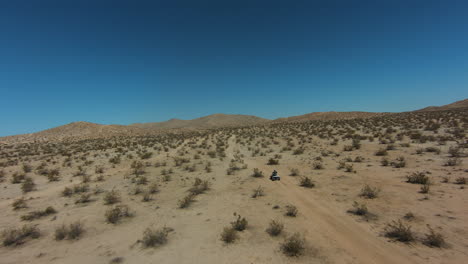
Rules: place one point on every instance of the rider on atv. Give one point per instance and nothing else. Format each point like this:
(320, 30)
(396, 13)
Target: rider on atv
(274, 176)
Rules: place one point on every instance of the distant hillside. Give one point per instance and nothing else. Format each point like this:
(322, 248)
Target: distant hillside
(457, 104)
(76, 130)
(328, 116)
(211, 121)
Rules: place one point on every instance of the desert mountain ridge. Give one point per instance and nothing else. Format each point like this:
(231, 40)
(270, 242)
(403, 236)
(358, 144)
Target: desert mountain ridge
(455, 105)
(210, 121)
(86, 130)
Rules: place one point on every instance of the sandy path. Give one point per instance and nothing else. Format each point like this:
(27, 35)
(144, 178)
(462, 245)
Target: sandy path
(328, 226)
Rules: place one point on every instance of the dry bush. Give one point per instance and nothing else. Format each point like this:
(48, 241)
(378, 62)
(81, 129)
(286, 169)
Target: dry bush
(275, 228)
(369, 192)
(228, 235)
(294, 172)
(67, 192)
(259, 191)
(112, 197)
(240, 224)
(17, 178)
(73, 231)
(452, 162)
(147, 196)
(273, 161)
(153, 188)
(417, 178)
(155, 237)
(84, 198)
(257, 173)
(28, 185)
(186, 201)
(359, 209)
(293, 246)
(17, 236)
(399, 162)
(434, 239)
(80, 188)
(460, 180)
(113, 215)
(425, 188)
(19, 204)
(291, 210)
(381, 152)
(199, 186)
(399, 231)
(306, 182)
(38, 214)
(317, 166)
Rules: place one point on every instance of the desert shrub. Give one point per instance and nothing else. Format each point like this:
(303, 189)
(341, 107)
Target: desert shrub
(38, 214)
(28, 185)
(349, 168)
(257, 173)
(61, 232)
(115, 160)
(141, 180)
(293, 246)
(409, 216)
(275, 228)
(259, 191)
(417, 178)
(291, 210)
(381, 152)
(433, 149)
(460, 180)
(452, 162)
(147, 196)
(19, 204)
(369, 192)
(384, 162)
(199, 186)
(112, 197)
(80, 188)
(67, 192)
(348, 148)
(298, 151)
(155, 237)
(186, 201)
(17, 178)
(17, 236)
(306, 182)
(240, 224)
(294, 172)
(228, 235)
(273, 161)
(113, 215)
(84, 198)
(27, 168)
(454, 151)
(317, 166)
(138, 168)
(425, 188)
(153, 188)
(433, 239)
(399, 231)
(359, 209)
(146, 155)
(73, 231)
(358, 159)
(399, 162)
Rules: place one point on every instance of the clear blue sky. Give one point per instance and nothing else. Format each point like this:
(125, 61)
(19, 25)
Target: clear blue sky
(120, 62)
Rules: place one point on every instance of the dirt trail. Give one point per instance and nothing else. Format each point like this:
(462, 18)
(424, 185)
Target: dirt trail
(330, 226)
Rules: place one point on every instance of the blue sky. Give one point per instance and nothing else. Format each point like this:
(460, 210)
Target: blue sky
(121, 62)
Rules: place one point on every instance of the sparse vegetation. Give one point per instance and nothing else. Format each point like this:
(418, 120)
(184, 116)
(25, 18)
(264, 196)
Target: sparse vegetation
(294, 245)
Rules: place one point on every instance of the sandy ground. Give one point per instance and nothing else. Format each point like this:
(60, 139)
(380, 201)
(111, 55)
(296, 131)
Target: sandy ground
(333, 235)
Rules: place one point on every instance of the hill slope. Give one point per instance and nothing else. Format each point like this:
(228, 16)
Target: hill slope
(328, 116)
(211, 121)
(457, 104)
